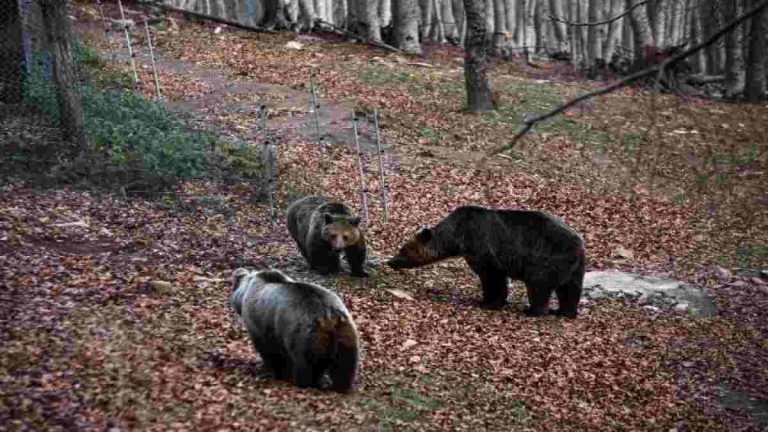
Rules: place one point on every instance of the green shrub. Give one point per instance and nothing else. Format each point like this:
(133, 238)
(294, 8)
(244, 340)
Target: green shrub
(133, 131)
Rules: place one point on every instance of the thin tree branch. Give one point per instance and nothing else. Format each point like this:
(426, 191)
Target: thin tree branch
(608, 21)
(658, 69)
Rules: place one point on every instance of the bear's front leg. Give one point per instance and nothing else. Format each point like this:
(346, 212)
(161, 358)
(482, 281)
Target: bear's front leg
(356, 259)
(326, 264)
(538, 297)
(495, 289)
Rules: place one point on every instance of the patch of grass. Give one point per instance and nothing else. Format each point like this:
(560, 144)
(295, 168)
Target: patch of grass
(749, 254)
(525, 99)
(736, 158)
(376, 75)
(632, 141)
(429, 134)
(404, 404)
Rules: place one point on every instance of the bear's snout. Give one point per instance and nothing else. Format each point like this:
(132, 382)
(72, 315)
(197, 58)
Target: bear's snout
(398, 262)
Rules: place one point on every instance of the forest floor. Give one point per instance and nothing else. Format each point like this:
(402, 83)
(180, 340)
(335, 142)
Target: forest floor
(115, 314)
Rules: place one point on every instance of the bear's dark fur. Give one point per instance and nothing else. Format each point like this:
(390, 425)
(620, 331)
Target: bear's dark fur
(323, 228)
(530, 246)
(301, 331)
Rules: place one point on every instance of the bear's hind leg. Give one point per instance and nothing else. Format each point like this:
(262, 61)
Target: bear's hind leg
(495, 289)
(539, 299)
(356, 259)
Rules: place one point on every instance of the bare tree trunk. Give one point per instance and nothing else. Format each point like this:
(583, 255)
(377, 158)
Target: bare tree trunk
(558, 28)
(308, 15)
(274, 16)
(641, 33)
(577, 58)
(734, 62)
(368, 19)
(696, 35)
(450, 25)
(461, 22)
(476, 58)
(436, 32)
(593, 41)
(10, 46)
(612, 9)
(59, 34)
(405, 15)
(656, 18)
(500, 31)
(425, 22)
(755, 79)
(385, 12)
(340, 13)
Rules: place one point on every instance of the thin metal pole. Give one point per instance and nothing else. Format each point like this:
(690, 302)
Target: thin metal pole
(383, 184)
(363, 195)
(128, 42)
(152, 57)
(314, 110)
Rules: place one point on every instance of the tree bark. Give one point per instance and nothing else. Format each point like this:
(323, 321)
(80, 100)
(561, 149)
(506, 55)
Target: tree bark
(641, 32)
(594, 53)
(500, 31)
(425, 19)
(476, 58)
(368, 19)
(613, 8)
(59, 34)
(274, 15)
(405, 15)
(10, 47)
(734, 62)
(755, 79)
(558, 28)
(450, 25)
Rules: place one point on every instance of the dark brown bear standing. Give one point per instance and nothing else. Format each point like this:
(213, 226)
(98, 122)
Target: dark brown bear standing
(301, 331)
(530, 246)
(323, 228)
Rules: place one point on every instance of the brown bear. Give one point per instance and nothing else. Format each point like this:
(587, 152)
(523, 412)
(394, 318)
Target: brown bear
(301, 331)
(323, 228)
(530, 246)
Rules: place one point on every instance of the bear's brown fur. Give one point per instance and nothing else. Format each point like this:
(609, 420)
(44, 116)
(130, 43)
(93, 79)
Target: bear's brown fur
(322, 229)
(301, 331)
(530, 246)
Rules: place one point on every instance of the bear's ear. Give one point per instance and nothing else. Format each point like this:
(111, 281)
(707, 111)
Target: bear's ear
(328, 218)
(425, 235)
(355, 221)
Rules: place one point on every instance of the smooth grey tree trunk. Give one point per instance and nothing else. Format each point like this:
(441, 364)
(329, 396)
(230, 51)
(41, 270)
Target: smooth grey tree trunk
(755, 79)
(734, 62)
(641, 33)
(368, 19)
(405, 15)
(500, 31)
(594, 53)
(450, 26)
(476, 58)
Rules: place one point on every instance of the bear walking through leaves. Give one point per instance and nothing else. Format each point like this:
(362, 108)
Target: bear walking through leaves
(323, 228)
(530, 246)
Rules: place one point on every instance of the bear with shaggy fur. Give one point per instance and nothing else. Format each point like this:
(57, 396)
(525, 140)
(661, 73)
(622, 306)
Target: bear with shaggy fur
(323, 228)
(301, 331)
(529, 246)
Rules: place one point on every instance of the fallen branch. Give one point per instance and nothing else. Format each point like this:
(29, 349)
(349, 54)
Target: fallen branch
(608, 21)
(212, 18)
(658, 69)
(344, 32)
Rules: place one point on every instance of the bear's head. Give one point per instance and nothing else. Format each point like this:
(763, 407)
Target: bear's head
(415, 253)
(237, 277)
(341, 231)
